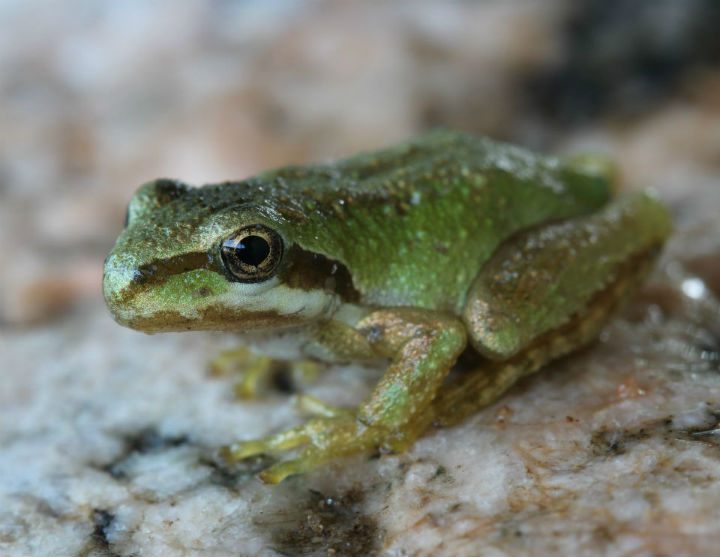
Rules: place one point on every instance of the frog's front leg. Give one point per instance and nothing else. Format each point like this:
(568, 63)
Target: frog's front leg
(422, 346)
(251, 369)
(255, 372)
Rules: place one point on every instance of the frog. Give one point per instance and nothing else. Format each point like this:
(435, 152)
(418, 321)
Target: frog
(446, 248)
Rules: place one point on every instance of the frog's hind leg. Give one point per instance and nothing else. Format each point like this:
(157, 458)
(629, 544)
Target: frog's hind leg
(539, 280)
(489, 380)
(487, 383)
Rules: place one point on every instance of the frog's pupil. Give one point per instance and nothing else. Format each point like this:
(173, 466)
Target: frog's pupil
(253, 250)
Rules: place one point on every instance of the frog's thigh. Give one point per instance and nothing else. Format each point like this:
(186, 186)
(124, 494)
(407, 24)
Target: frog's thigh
(539, 280)
(422, 345)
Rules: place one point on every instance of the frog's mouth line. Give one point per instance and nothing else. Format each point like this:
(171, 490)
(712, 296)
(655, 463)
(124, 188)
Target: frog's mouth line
(212, 318)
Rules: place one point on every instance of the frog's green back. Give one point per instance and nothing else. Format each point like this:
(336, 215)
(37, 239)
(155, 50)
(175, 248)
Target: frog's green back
(414, 223)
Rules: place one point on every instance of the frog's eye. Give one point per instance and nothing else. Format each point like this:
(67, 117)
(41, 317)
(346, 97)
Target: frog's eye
(253, 253)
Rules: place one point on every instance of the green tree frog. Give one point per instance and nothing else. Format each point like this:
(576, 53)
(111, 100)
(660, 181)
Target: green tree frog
(408, 256)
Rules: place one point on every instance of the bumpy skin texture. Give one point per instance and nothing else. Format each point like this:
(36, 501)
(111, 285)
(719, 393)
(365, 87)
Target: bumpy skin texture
(404, 254)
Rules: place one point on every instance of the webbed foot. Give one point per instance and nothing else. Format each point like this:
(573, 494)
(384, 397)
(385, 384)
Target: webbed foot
(326, 437)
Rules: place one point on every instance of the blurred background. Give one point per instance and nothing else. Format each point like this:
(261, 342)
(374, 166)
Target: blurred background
(99, 97)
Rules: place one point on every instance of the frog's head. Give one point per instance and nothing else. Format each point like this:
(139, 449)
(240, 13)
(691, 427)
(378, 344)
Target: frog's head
(207, 258)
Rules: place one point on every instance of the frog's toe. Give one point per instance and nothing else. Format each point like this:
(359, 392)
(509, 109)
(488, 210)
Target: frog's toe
(316, 407)
(284, 440)
(281, 470)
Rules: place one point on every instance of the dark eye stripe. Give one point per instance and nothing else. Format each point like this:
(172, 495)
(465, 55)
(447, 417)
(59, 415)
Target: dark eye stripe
(159, 270)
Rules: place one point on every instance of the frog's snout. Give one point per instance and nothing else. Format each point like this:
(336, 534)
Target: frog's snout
(116, 283)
